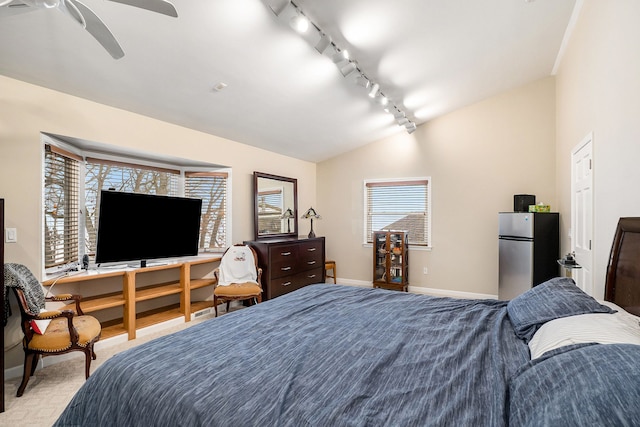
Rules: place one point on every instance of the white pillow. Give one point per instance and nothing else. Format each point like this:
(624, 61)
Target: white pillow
(603, 328)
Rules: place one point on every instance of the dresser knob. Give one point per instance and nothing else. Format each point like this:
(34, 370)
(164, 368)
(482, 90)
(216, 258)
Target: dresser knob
(285, 268)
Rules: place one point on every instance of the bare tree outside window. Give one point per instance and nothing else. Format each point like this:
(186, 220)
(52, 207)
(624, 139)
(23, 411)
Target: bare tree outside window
(100, 175)
(211, 187)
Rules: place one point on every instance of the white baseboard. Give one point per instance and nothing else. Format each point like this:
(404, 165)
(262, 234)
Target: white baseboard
(451, 294)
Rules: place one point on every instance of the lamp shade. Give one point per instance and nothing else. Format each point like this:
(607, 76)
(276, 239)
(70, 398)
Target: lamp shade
(311, 213)
(287, 214)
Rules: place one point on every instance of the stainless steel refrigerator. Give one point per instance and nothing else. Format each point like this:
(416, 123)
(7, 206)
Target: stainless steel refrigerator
(528, 247)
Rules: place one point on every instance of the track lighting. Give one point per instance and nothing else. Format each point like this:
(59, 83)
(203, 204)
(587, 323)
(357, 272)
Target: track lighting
(347, 66)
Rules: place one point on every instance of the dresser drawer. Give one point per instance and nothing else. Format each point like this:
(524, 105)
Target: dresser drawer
(282, 285)
(284, 253)
(311, 276)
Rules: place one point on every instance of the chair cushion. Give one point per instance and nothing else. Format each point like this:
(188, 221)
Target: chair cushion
(238, 290)
(56, 337)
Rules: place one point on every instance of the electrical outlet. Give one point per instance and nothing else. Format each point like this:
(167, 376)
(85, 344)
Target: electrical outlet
(424, 270)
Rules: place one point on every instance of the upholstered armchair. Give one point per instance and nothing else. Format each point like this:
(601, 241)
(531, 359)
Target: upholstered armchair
(51, 332)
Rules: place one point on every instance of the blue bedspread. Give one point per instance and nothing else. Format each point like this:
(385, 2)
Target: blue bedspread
(325, 355)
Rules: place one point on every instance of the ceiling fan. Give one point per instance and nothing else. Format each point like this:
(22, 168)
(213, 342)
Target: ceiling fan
(89, 20)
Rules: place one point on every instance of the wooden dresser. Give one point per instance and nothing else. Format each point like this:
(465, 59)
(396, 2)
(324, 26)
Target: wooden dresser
(289, 264)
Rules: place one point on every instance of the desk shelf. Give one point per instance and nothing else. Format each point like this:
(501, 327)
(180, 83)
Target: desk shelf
(129, 294)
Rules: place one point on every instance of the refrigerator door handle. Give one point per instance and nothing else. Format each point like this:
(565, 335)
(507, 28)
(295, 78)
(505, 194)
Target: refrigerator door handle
(516, 238)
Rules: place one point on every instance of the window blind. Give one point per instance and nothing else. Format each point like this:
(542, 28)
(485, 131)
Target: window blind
(60, 207)
(211, 187)
(399, 205)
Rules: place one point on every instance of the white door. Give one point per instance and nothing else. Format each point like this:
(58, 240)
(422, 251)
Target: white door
(582, 212)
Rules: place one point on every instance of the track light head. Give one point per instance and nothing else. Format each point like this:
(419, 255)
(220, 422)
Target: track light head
(323, 43)
(363, 81)
(348, 68)
(411, 127)
(374, 90)
(278, 6)
(340, 56)
(300, 23)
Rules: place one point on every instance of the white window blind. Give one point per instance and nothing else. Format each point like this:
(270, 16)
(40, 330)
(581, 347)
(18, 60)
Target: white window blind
(60, 207)
(401, 205)
(211, 187)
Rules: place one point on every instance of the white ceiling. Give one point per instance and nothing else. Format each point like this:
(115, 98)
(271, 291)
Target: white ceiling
(429, 56)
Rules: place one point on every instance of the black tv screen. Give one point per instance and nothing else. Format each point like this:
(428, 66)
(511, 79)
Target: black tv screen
(139, 227)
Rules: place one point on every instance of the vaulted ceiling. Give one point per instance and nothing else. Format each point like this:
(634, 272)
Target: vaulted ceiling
(234, 69)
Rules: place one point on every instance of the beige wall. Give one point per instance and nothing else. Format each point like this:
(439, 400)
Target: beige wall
(26, 110)
(598, 90)
(477, 157)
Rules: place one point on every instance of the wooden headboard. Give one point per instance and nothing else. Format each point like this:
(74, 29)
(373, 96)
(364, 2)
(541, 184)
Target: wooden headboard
(622, 285)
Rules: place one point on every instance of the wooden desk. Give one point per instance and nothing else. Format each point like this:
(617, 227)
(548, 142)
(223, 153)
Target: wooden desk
(129, 294)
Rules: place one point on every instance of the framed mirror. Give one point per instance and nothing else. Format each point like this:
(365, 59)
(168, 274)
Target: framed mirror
(276, 206)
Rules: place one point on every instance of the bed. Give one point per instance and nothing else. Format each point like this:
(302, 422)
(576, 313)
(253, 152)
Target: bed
(333, 355)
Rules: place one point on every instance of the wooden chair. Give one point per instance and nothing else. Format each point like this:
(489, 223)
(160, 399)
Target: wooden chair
(66, 332)
(238, 278)
(330, 265)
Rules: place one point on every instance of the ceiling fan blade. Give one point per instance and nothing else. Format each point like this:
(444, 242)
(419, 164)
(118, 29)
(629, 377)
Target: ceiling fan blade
(160, 6)
(95, 27)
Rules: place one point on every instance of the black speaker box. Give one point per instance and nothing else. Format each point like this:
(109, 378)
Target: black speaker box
(521, 202)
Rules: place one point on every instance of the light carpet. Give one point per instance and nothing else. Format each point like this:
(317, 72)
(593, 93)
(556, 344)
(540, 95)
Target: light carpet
(52, 387)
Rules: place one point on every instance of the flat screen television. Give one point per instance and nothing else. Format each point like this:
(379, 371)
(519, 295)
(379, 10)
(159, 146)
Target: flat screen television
(140, 227)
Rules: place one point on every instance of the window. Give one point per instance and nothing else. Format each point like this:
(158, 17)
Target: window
(65, 222)
(399, 205)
